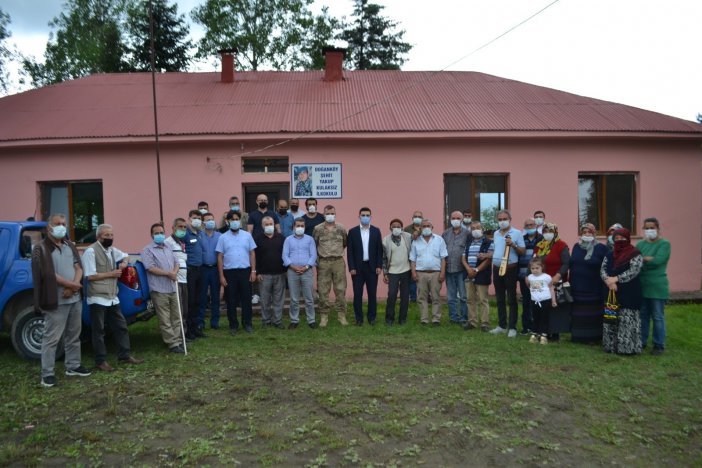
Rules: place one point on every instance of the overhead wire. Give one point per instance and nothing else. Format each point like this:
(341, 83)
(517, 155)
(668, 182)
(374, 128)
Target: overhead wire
(401, 91)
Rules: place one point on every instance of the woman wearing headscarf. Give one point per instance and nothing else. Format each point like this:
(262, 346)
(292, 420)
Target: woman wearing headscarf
(654, 283)
(556, 256)
(586, 286)
(620, 272)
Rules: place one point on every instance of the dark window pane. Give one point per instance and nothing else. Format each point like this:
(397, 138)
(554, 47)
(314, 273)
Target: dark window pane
(457, 193)
(87, 210)
(620, 200)
(588, 202)
(265, 164)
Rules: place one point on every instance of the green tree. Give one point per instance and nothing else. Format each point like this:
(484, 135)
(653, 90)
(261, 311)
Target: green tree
(271, 33)
(87, 39)
(319, 30)
(171, 42)
(5, 53)
(373, 43)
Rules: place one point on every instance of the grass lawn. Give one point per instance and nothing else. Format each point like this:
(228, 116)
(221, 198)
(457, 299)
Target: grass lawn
(378, 396)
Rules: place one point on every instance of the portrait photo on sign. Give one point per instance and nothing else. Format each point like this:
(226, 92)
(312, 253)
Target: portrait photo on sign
(302, 183)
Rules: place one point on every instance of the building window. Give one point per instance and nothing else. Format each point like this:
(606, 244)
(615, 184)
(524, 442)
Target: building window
(483, 194)
(605, 199)
(81, 202)
(263, 165)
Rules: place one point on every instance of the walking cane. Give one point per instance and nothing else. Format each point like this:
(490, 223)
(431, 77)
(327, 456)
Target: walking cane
(180, 312)
(505, 258)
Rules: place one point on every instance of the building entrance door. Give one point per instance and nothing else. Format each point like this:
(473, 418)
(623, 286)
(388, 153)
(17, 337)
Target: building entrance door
(274, 192)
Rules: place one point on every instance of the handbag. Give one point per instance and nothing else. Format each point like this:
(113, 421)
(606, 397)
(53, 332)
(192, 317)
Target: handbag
(563, 294)
(611, 309)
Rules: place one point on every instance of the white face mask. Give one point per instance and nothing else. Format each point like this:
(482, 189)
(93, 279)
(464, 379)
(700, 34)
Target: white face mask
(503, 224)
(426, 231)
(59, 232)
(651, 233)
(548, 237)
(329, 218)
(477, 233)
(396, 231)
(455, 223)
(299, 231)
(203, 211)
(312, 209)
(539, 221)
(587, 238)
(467, 220)
(417, 220)
(268, 229)
(196, 223)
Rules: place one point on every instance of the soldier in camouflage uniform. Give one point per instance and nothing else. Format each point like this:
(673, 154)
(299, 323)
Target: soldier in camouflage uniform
(330, 238)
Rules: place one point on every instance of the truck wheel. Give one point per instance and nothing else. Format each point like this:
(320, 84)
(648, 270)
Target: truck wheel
(27, 333)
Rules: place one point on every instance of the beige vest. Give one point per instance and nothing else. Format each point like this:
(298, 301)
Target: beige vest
(104, 288)
(398, 255)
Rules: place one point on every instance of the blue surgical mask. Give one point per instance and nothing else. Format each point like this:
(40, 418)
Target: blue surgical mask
(180, 233)
(159, 238)
(530, 231)
(365, 220)
(234, 224)
(209, 224)
(235, 207)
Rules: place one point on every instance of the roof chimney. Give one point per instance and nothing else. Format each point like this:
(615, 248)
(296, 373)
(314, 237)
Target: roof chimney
(333, 63)
(227, 64)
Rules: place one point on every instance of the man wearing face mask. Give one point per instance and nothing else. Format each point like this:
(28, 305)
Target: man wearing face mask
(176, 243)
(103, 265)
(286, 219)
(506, 285)
(476, 261)
(312, 218)
(210, 275)
(540, 220)
(456, 238)
(467, 220)
(57, 274)
(194, 251)
(203, 207)
(295, 210)
(236, 264)
(300, 257)
(162, 272)
(396, 270)
(414, 228)
(255, 223)
(271, 273)
(331, 240)
(365, 258)
(234, 206)
(531, 238)
(428, 263)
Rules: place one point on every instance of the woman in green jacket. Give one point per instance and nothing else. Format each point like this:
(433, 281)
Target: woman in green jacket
(654, 283)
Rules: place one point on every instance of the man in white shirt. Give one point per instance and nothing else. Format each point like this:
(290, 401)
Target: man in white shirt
(103, 265)
(428, 262)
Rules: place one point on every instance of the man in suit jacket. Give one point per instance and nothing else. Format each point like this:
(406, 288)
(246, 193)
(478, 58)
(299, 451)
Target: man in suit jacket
(365, 259)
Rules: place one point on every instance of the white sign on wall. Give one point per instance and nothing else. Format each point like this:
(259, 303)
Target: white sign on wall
(316, 180)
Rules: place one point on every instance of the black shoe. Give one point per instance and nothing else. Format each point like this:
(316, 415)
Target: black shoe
(190, 337)
(359, 324)
(232, 331)
(248, 329)
(388, 323)
(371, 323)
(214, 327)
(48, 381)
(435, 324)
(292, 326)
(312, 325)
(177, 349)
(425, 323)
(401, 322)
(468, 326)
(657, 351)
(484, 328)
(79, 371)
(525, 332)
(200, 334)
(279, 326)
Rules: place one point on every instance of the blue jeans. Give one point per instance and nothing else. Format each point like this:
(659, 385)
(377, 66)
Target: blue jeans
(653, 309)
(210, 283)
(456, 290)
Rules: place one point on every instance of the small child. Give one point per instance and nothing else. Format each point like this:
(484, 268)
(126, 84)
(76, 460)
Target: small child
(544, 297)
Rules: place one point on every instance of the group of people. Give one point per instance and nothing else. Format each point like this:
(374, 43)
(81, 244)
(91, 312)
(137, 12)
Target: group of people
(256, 256)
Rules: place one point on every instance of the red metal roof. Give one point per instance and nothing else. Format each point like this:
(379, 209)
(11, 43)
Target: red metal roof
(120, 105)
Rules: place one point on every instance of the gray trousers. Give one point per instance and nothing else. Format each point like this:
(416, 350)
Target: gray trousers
(63, 322)
(301, 285)
(112, 315)
(272, 289)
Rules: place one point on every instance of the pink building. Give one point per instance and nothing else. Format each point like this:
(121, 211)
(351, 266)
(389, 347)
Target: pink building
(401, 141)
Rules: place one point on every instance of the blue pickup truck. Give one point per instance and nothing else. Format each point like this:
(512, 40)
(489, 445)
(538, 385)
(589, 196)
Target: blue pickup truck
(17, 313)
